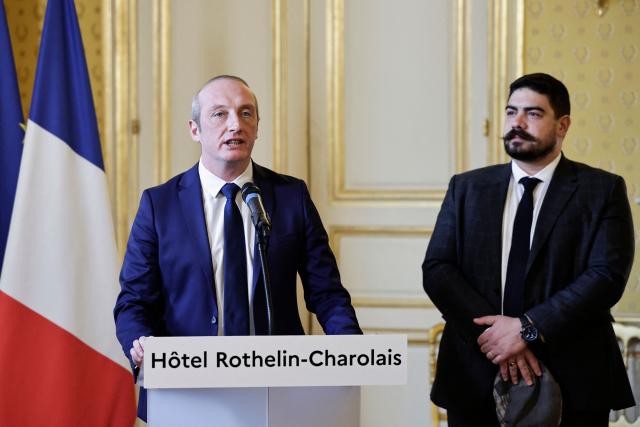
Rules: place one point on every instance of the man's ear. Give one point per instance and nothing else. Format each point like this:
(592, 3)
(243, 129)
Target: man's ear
(194, 130)
(563, 125)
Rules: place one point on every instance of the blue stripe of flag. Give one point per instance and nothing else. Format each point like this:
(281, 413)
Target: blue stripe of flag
(11, 134)
(62, 102)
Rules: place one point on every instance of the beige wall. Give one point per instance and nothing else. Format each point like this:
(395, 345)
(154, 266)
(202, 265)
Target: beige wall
(598, 58)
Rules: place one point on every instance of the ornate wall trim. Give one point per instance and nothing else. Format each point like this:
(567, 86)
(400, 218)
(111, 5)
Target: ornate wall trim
(415, 336)
(108, 140)
(161, 64)
(461, 83)
(336, 233)
(122, 115)
(506, 42)
(335, 110)
(280, 85)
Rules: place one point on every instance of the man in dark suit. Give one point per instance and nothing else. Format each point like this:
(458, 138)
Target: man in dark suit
(175, 280)
(509, 306)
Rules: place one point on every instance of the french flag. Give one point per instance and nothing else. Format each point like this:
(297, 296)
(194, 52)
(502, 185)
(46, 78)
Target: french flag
(60, 363)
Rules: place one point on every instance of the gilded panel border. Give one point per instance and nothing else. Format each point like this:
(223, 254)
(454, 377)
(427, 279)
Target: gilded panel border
(416, 336)
(121, 123)
(161, 74)
(506, 36)
(336, 233)
(335, 114)
(280, 65)
(122, 25)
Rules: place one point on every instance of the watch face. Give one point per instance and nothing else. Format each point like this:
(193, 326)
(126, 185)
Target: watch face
(530, 333)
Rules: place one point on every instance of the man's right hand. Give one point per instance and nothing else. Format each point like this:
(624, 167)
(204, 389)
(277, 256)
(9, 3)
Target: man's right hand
(137, 351)
(501, 341)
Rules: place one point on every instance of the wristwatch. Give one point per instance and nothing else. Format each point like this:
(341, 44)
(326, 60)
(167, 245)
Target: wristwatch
(528, 332)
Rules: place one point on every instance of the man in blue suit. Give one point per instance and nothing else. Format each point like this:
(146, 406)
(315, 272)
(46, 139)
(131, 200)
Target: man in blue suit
(525, 262)
(172, 279)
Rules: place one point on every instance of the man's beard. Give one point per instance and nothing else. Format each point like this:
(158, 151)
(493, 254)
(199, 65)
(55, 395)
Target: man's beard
(527, 152)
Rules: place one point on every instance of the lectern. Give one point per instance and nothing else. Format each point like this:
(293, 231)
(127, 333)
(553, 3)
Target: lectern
(277, 381)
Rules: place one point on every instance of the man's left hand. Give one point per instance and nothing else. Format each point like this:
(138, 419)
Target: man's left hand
(524, 364)
(501, 340)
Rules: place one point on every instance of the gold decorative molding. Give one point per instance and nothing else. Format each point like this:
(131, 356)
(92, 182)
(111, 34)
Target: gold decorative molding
(519, 38)
(507, 62)
(391, 302)
(625, 319)
(121, 105)
(280, 85)
(461, 84)
(334, 43)
(121, 108)
(337, 232)
(335, 111)
(435, 333)
(415, 336)
(307, 86)
(498, 73)
(108, 139)
(161, 64)
(307, 114)
(133, 116)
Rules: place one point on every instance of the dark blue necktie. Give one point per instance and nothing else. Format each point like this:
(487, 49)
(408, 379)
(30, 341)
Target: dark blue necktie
(236, 300)
(513, 303)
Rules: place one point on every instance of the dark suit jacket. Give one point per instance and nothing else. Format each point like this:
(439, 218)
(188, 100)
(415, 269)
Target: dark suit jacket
(581, 256)
(167, 278)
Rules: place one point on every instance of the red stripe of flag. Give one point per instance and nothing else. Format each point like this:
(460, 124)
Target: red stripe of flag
(56, 380)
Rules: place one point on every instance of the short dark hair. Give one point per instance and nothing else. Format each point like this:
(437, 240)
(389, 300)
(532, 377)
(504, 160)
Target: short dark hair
(195, 101)
(547, 85)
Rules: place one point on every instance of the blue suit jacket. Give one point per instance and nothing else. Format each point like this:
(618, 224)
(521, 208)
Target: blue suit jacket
(580, 259)
(167, 278)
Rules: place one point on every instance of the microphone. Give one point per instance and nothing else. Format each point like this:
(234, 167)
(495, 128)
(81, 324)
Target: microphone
(253, 199)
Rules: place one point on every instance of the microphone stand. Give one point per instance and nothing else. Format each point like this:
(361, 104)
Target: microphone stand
(262, 233)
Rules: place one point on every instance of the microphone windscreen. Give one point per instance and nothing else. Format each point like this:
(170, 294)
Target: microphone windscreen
(248, 189)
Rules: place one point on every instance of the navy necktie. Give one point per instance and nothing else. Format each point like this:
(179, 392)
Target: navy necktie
(513, 303)
(236, 300)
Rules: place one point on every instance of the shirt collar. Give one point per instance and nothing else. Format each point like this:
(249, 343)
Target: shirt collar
(544, 175)
(212, 184)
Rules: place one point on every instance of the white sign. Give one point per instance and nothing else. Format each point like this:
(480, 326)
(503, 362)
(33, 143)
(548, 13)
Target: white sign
(275, 361)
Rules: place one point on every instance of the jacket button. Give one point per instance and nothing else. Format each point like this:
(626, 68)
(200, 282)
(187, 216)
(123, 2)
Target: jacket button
(214, 320)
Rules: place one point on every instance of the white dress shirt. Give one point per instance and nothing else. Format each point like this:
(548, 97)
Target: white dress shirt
(214, 202)
(514, 194)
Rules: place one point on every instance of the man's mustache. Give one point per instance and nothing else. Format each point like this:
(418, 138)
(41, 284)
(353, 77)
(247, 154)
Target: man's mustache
(519, 133)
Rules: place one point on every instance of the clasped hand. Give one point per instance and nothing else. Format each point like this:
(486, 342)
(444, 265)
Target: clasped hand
(502, 345)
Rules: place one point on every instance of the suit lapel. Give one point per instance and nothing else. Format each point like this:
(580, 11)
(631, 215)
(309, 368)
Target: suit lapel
(190, 197)
(563, 185)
